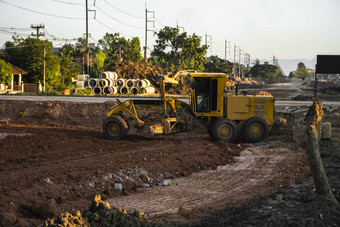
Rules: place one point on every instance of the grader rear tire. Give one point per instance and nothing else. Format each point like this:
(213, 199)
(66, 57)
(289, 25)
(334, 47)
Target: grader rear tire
(115, 128)
(224, 129)
(255, 129)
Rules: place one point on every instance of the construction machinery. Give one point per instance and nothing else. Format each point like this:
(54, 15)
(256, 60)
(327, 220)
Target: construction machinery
(226, 115)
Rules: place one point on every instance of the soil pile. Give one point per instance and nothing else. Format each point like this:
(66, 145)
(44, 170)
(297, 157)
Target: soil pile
(139, 70)
(66, 114)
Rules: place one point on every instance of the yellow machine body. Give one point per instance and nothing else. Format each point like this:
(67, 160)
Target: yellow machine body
(218, 110)
(209, 100)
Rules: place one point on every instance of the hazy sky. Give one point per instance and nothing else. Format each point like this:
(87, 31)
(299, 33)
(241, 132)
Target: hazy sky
(287, 29)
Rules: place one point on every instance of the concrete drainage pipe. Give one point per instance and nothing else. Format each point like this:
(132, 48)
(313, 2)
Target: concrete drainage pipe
(108, 75)
(124, 90)
(133, 91)
(97, 90)
(150, 90)
(120, 82)
(131, 83)
(110, 90)
(93, 82)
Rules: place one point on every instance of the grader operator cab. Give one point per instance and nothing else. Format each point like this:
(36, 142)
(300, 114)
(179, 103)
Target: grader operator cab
(226, 115)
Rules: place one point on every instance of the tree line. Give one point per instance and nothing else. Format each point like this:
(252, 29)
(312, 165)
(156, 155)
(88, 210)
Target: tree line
(173, 51)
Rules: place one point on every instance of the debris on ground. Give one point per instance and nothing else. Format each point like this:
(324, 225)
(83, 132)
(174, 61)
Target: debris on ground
(100, 213)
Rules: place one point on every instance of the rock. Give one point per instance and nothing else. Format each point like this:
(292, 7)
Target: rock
(299, 134)
(144, 178)
(118, 186)
(144, 185)
(8, 219)
(281, 120)
(326, 131)
(166, 182)
(119, 180)
(129, 185)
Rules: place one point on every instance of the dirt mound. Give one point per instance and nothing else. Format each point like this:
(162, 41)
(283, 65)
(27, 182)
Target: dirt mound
(54, 113)
(139, 70)
(99, 214)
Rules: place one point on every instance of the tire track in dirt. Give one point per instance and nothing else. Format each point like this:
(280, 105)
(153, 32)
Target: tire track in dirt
(257, 171)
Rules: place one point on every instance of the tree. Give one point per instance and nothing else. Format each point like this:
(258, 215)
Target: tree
(5, 72)
(265, 70)
(114, 46)
(28, 54)
(98, 61)
(68, 65)
(312, 121)
(178, 51)
(218, 65)
(301, 71)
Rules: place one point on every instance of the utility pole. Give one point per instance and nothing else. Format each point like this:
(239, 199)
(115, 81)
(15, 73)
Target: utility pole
(178, 27)
(44, 78)
(146, 31)
(206, 41)
(87, 52)
(38, 27)
(225, 49)
(275, 61)
(234, 68)
(239, 62)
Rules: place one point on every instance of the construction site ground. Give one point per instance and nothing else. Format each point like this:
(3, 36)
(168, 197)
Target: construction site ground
(54, 158)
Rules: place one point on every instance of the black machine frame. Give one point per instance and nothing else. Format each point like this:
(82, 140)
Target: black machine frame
(326, 64)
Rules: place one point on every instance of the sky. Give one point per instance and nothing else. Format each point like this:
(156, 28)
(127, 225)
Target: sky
(286, 29)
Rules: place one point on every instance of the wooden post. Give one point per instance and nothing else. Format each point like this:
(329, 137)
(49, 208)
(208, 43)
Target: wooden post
(313, 119)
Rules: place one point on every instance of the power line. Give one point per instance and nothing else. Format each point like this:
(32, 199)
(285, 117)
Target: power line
(117, 19)
(13, 33)
(159, 22)
(58, 38)
(46, 14)
(131, 15)
(12, 28)
(111, 28)
(69, 3)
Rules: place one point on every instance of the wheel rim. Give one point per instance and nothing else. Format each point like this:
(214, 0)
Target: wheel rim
(225, 131)
(113, 129)
(256, 129)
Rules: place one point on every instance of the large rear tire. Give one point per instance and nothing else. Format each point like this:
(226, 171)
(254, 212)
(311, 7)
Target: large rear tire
(255, 129)
(224, 129)
(115, 128)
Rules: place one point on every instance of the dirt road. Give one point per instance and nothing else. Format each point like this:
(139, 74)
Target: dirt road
(258, 170)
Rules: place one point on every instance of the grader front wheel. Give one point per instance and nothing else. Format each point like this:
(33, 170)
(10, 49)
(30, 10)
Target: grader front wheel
(224, 129)
(255, 129)
(115, 128)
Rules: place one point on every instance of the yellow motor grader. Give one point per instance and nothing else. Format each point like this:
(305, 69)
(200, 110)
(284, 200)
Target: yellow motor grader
(226, 115)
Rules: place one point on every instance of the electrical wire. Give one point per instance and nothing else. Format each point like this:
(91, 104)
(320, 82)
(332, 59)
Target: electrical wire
(117, 19)
(13, 33)
(57, 38)
(123, 11)
(46, 14)
(216, 43)
(12, 28)
(69, 3)
(159, 23)
(111, 28)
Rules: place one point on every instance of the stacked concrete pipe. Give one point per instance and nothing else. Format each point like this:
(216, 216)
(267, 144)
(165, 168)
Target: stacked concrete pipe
(109, 83)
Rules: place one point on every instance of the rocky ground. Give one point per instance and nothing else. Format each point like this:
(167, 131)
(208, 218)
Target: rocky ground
(54, 158)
